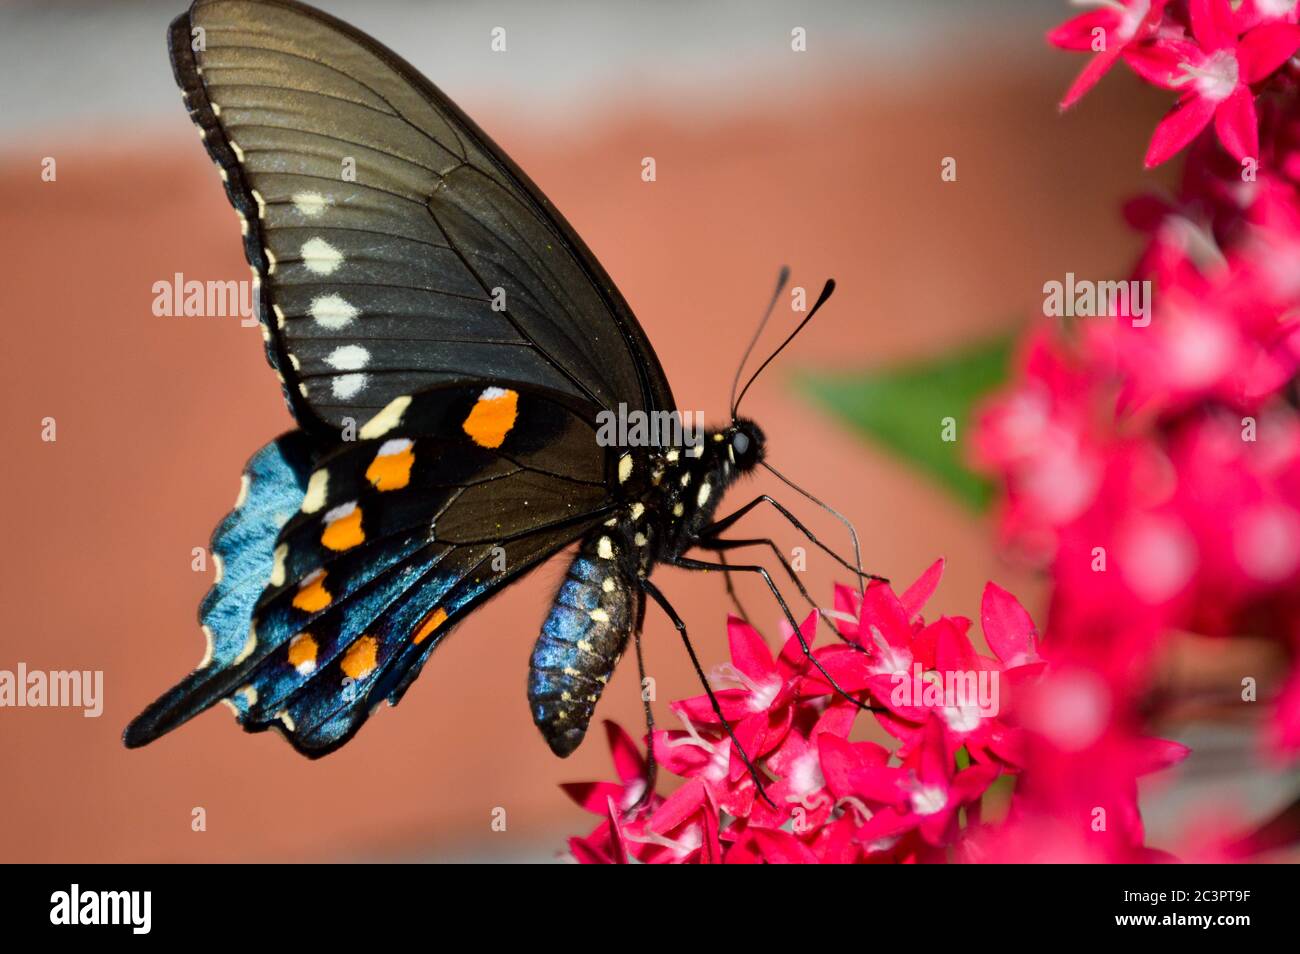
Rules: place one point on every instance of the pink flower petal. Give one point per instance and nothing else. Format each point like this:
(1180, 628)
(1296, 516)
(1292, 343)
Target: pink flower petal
(617, 844)
(1159, 61)
(1237, 125)
(1090, 75)
(1212, 24)
(919, 593)
(628, 762)
(782, 848)
(592, 795)
(749, 653)
(1008, 628)
(1265, 48)
(1077, 34)
(1183, 123)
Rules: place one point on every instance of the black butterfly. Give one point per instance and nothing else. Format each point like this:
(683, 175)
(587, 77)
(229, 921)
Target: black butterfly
(450, 349)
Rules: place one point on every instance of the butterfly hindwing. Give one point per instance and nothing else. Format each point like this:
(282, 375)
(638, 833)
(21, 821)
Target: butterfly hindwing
(396, 246)
(443, 499)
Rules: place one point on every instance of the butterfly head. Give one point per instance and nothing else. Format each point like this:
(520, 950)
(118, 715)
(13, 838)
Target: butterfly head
(746, 445)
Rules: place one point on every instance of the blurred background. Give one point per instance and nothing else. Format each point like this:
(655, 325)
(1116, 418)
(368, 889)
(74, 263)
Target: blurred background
(827, 160)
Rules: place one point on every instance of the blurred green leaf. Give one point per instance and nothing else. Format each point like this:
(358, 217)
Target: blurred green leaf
(903, 408)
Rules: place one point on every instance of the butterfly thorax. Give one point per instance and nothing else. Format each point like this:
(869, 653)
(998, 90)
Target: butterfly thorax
(672, 493)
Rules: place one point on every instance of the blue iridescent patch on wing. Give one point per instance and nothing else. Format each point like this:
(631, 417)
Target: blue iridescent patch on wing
(271, 492)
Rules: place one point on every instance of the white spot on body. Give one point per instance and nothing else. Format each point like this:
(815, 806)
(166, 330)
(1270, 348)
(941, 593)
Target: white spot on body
(599, 615)
(605, 548)
(624, 468)
(703, 496)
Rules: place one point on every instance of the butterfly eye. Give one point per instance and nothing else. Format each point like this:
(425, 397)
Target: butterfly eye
(740, 443)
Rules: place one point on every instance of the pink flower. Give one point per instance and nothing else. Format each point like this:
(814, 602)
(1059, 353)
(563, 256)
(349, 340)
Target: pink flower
(932, 787)
(759, 705)
(1215, 74)
(1107, 32)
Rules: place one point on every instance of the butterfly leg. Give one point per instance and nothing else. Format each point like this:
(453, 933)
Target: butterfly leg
(720, 545)
(651, 767)
(718, 526)
(687, 563)
(656, 595)
(731, 589)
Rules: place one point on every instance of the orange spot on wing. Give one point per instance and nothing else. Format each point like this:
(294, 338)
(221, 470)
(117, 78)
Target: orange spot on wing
(392, 470)
(359, 661)
(312, 595)
(492, 417)
(431, 622)
(302, 653)
(343, 528)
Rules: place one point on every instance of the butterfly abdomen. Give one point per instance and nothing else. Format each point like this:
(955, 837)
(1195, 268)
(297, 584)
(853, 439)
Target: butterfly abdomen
(581, 641)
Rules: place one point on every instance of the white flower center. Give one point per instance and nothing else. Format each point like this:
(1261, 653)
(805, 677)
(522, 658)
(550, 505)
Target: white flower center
(1216, 78)
(928, 799)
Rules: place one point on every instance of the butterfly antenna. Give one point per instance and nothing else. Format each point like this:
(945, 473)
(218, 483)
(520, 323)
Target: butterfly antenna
(781, 279)
(853, 533)
(827, 290)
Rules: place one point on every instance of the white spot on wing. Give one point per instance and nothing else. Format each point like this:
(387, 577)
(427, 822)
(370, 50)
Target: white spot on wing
(332, 311)
(277, 566)
(387, 419)
(309, 204)
(317, 487)
(348, 385)
(348, 358)
(320, 257)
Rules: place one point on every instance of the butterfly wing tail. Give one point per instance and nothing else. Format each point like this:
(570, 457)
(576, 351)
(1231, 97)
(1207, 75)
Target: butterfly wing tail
(271, 491)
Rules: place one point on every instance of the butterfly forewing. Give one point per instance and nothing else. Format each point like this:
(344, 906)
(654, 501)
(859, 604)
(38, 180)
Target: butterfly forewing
(397, 247)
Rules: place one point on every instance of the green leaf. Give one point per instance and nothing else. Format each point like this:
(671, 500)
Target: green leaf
(904, 408)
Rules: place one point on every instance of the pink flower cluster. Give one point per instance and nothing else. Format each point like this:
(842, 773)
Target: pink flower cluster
(1215, 54)
(934, 794)
(1154, 466)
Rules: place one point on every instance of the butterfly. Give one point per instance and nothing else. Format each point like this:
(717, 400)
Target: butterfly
(451, 352)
